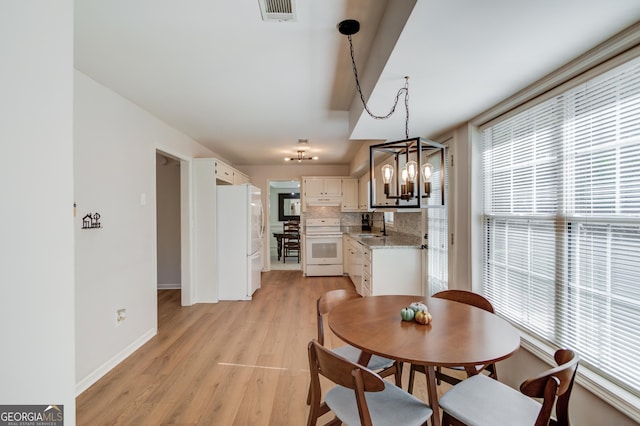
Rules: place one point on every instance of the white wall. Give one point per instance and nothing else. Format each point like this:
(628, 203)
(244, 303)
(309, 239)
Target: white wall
(36, 189)
(115, 148)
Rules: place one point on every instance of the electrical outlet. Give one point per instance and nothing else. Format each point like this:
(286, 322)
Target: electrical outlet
(121, 315)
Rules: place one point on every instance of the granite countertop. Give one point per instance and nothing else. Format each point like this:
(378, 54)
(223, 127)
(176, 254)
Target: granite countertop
(375, 240)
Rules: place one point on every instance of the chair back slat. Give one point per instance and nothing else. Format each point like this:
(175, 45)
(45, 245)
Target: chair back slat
(339, 370)
(333, 298)
(466, 297)
(327, 302)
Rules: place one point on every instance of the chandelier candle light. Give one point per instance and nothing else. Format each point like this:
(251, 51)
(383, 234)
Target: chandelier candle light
(415, 158)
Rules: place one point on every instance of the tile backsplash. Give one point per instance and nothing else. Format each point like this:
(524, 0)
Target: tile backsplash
(404, 222)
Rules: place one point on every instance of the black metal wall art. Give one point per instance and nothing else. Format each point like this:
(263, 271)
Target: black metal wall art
(90, 221)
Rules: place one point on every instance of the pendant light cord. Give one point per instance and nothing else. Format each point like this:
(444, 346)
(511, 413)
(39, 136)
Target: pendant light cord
(404, 90)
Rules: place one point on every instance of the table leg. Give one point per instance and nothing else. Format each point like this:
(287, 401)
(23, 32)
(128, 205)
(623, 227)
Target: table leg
(433, 394)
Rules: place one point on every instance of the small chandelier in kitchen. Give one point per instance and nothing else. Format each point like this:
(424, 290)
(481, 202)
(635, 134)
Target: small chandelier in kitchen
(301, 157)
(303, 145)
(406, 166)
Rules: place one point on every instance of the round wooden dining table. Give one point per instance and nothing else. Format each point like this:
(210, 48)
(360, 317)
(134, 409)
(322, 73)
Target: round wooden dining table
(459, 335)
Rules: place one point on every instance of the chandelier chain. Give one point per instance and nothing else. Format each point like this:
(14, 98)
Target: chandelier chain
(402, 90)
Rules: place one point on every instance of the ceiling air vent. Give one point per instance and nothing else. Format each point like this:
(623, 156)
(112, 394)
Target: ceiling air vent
(277, 10)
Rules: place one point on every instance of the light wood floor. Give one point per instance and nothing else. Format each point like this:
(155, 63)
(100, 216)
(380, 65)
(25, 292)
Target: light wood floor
(229, 363)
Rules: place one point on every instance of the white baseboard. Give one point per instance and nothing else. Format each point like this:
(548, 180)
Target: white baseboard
(99, 372)
(165, 286)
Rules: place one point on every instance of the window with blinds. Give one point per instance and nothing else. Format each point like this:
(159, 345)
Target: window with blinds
(562, 221)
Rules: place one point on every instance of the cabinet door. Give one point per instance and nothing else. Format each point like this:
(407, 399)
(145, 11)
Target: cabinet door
(395, 271)
(354, 253)
(240, 178)
(346, 259)
(349, 195)
(314, 187)
(224, 172)
(363, 193)
(333, 186)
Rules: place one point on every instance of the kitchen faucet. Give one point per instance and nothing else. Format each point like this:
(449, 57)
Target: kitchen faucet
(384, 224)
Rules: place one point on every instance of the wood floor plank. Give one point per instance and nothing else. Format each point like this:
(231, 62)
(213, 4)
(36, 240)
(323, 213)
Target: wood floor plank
(228, 363)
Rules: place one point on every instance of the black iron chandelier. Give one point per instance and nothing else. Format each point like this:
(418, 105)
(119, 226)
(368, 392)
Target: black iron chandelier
(406, 166)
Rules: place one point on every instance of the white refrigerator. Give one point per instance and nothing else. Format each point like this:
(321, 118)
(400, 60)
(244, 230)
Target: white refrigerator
(240, 228)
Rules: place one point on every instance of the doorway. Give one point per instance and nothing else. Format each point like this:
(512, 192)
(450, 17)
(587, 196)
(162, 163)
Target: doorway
(168, 222)
(284, 203)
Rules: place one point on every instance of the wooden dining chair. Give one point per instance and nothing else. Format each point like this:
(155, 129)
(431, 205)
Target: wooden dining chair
(480, 401)
(468, 298)
(384, 366)
(291, 241)
(360, 396)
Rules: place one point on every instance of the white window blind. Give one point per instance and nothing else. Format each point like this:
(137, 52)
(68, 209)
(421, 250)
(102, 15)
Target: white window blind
(562, 221)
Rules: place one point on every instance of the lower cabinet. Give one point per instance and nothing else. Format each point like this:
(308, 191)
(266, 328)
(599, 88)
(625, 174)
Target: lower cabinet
(391, 271)
(353, 261)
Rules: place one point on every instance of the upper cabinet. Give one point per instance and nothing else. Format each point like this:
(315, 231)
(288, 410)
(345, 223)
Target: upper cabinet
(321, 191)
(349, 195)
(363, 193)
(239, 178)
(227, 175)
(323, 186)
(223, 172)
(220, 172)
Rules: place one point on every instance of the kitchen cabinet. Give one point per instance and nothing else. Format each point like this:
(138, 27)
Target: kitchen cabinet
(321, 191)
(391, 271)
(240, 178)
(349, 195)
(345, 253)
(223, 172)
(363, 193)
(353, 262)
(322, 186)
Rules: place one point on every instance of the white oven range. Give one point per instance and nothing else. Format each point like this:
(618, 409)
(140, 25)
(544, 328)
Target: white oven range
(323, 247)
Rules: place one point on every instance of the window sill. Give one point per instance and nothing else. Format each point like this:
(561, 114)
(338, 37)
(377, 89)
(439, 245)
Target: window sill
(614, 395)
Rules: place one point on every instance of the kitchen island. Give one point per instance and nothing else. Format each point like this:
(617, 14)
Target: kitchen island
(383, 265)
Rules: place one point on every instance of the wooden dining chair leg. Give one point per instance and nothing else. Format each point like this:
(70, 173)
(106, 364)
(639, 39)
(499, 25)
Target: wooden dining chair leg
(398, 373)
(493, 371)
(448, 420)
(335, 422)
(412, 376)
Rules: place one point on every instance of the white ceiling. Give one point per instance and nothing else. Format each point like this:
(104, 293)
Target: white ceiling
(249, 89)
